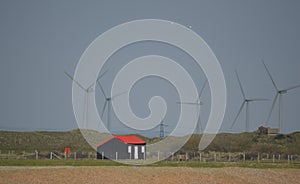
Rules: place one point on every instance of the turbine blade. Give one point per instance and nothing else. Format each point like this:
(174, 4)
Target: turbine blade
(188, 103)
(294, 87)
(274, 84)
(202, 89)
(102, 75)
(101, 89)
(103, 109)
(258, 99)
(237, 115)
(68, 75)
(119, 94)
(240, 84)
(272, 107)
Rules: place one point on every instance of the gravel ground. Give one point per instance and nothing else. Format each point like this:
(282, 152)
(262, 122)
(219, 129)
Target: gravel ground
(119, 174)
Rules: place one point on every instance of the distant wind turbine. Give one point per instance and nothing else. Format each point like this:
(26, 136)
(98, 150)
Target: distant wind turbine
(280, 93)
(197, 103)
(87, 91)
(246, 102)
(107, 104)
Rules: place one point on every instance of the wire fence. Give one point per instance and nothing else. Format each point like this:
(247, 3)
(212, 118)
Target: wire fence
(175, 157)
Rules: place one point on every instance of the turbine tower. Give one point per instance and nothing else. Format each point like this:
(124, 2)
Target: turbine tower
(246, 102)
(197, 103)
(280, 93)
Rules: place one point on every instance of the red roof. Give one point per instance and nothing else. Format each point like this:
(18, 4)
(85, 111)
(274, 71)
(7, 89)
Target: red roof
(130, 139)
(127, 139)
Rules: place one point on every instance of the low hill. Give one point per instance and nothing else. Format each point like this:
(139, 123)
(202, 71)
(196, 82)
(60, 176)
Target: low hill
(223, 142)
(250, 142)
(43, 141)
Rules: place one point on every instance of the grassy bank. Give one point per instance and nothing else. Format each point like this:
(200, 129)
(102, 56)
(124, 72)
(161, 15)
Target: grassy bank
(158, 164)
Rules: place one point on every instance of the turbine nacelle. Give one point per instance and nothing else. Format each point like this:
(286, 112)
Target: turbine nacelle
(282, 92)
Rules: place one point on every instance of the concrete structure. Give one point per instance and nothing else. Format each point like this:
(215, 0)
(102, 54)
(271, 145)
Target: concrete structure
(122, 147)
(268, 131)
(273, 131)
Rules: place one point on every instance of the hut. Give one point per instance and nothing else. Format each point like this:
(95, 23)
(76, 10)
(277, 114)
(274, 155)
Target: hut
(122, 147)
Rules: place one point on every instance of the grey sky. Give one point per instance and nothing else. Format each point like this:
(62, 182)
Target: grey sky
(39, 40)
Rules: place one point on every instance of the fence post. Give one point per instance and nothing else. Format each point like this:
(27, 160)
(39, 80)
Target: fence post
(51, 155)
(257, 157)
(244, 157)
(186, 156)
(279, 157)
(215, 157)
(102, 155)
(158, 155)
(288, 159)
(200, 157)
(229, 157)
(116, 155)
(273, 158)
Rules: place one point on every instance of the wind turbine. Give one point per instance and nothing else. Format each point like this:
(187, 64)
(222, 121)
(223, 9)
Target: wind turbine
(280, 93)
(107, 104)
(246, 102)
(197, 103)
(87, 91)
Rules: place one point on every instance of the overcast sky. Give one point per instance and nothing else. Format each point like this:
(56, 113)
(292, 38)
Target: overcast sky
(41, 39)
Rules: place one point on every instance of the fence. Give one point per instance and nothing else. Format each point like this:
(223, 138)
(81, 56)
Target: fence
(235, 157)
(176, 157)
(11, 154)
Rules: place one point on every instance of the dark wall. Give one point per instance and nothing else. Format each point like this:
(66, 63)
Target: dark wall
(111, 147)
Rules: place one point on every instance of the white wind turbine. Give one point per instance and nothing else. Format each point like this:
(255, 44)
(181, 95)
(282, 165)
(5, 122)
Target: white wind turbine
(246, 102)
(107, 104)
(280, 93)
(197, 103)
(87, 91)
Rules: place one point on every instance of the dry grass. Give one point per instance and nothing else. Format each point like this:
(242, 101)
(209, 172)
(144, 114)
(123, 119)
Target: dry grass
(121, 174)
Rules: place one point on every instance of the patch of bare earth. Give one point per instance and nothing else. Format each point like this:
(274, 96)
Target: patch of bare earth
(118, 174)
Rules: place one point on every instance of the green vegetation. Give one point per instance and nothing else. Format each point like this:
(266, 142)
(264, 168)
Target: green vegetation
(250, 142)
(42, 141)
(158, 164)
(224, 142)
(59, 163)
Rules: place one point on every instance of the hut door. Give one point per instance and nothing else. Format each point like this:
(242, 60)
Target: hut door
(136, 152)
